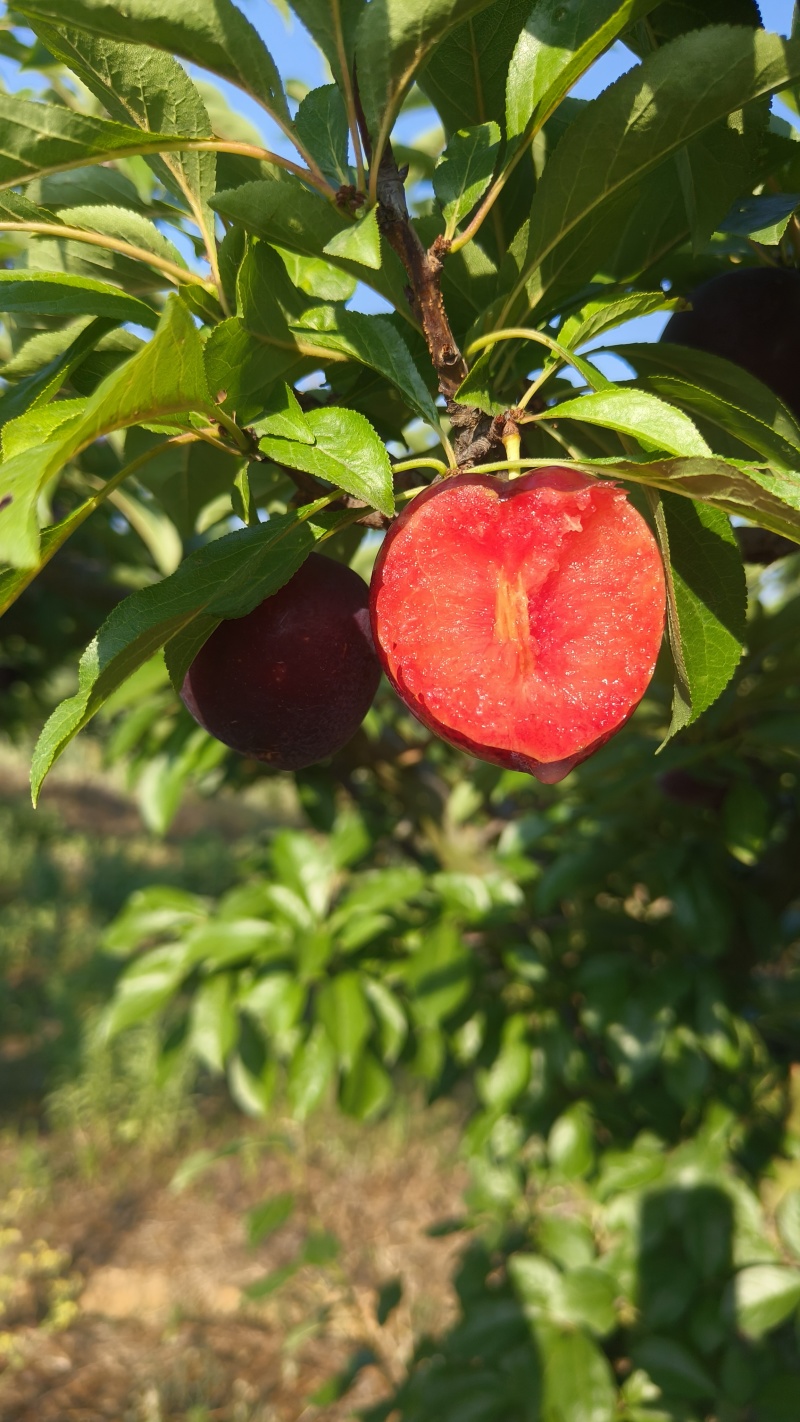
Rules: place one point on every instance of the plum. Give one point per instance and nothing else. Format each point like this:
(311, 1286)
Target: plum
(520, 619)
(290, 682)
(751, 316)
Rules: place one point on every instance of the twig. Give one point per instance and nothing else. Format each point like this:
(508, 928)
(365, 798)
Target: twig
(424, 268)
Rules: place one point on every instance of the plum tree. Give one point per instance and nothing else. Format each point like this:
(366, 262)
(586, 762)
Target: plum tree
(290, 682)
(751, 316)
(520, 619)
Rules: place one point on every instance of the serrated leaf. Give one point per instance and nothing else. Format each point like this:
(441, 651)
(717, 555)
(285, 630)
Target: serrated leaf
(464, 171)
(677, 17)
(393, 40)
(359, 243)
(764, 216)
(61, 294)
(347, 453)
(227, 578)
(722, 394)
(45, 382)
(373, 341)
(590, 183)
(603, 313)
(211, 33)
(557, 45)
(284, 418)
(290, 216)
(321, 122)
(167, 377)
(40, 138)
(706, 603)
(140, 86)
(126, 226)
(465, 78)
(654, 423)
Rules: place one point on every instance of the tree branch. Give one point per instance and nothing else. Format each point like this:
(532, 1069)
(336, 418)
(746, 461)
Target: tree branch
(424, 267)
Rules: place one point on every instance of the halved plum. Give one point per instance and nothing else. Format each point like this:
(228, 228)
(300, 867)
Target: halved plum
(520, 619)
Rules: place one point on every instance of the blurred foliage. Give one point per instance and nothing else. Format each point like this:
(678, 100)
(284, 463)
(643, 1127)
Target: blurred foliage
(606, 973)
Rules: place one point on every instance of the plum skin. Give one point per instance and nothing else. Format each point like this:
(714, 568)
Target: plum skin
(548, 771)
(750, 316)
(290, 682)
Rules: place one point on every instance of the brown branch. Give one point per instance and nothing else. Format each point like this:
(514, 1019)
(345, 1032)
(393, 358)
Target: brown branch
(424, 267)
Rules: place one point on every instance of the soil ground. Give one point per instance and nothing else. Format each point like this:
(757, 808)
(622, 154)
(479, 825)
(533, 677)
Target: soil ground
(123, 1264)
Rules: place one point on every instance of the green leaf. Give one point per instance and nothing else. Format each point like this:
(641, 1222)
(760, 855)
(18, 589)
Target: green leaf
(578, 1381)
(706, 603)
(373, 341)
(333, 26)
(588, 1296)
(718, 166)
(557, 45)
(391, 1018)
(464, 171)
(211, 33)
(312, 1068)
(720, 394)
(570, 1144)
(343, 1011)
(167, 377)
(213, 1026)
(439, 975)
(590, 183)
(126, 226)
(604, 312)
(366, 1089)
(60, 294)
(510, 1071)
(290, 216)
(787, 1217)
(465, 78)
(45, 382)
(677, 17)
(270, 1283)
(284, 418)
(227, 578)
(764, 217)
(393, 40)
(321, 122)
(763, 1296)
(146, 987)
(137, 85)
(654, 423)
(42, 138)
(673, 1367)
(347, 453)
(265, 1218)
(360, 243)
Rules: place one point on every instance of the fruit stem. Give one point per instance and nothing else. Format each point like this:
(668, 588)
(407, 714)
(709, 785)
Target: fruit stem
(420, 464)
(511, 444)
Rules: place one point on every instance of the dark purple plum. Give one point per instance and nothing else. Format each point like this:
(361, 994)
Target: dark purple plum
(292, 681)
(751, 316)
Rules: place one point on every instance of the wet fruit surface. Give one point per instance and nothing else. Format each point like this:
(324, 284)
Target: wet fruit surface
(292, 681)
(520, 620)
(750, 316)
